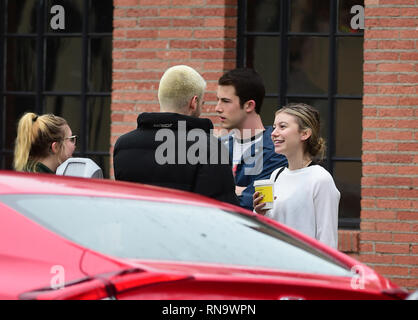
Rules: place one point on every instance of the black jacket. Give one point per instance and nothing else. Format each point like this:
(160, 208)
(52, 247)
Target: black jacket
(175, 151)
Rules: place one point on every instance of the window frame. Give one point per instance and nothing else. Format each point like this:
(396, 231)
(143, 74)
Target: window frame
(332, 97)
(41, 36)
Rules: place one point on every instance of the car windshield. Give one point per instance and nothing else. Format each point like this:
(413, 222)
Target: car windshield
(139, 229)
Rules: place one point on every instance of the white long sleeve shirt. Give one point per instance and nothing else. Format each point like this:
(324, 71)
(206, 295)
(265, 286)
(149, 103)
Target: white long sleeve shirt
(307, 200)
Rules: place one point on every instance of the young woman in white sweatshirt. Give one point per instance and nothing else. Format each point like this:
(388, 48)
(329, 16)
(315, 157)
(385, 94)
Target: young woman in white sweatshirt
(305, 195)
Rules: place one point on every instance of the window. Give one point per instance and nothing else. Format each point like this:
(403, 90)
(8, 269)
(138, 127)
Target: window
(66, 72)
(138, 229)
(306, 51)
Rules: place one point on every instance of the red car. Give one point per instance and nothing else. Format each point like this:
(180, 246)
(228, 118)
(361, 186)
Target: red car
(76, 238)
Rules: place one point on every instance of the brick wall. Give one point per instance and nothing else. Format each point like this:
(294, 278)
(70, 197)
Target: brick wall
(152, 35)
(389, 227)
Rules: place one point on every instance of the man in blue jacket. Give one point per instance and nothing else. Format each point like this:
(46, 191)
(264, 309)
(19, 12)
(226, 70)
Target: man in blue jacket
(240, 95)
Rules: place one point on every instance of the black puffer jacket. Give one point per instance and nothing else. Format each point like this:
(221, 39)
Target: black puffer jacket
(197, 161)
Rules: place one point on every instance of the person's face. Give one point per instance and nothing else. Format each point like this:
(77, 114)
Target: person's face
(286, 135)
(68, 146)
(230, 113)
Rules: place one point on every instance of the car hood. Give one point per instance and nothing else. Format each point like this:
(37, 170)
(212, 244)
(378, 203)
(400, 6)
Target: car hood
(231, 272)
(146, 279)
(181, 280)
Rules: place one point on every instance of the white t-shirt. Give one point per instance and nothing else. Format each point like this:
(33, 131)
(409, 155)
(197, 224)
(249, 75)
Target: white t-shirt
(241, 146)
(307, 200)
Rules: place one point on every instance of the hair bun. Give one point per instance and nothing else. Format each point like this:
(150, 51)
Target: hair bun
(320, 147)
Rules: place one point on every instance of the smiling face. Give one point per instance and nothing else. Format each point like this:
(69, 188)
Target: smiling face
(231, 114)
(287, 137)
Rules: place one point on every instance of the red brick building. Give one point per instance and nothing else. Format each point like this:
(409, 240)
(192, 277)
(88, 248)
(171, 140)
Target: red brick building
(104, 66)
(389, 207)
(151, 35)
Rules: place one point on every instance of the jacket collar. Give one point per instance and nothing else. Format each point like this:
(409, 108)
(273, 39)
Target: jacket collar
(266, 139)
(171, 120)
(267, 143)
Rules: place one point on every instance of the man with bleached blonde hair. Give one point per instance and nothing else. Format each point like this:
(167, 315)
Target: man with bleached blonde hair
(181, 90)
(174, 148)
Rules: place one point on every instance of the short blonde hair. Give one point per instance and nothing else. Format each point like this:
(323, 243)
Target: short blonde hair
(178, 85)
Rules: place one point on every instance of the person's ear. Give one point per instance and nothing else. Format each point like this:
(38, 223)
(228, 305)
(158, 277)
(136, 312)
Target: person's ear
(305, 134)
(249, 106)
(194, 103)
(55, 147)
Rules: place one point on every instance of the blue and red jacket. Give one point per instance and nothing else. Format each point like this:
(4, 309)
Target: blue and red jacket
(257, 163)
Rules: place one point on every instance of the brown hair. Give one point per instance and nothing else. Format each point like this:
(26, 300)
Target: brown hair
(307, 117)
(248, 85)
(35, 134)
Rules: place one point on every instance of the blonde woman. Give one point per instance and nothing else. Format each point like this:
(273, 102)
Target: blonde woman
(42, 143)
(305, 195)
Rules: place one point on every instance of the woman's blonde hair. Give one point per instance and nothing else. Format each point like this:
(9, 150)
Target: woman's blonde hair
(307, 117)
(35, 134)
(178, 85)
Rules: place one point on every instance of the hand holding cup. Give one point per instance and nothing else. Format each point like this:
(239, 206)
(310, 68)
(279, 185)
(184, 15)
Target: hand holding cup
(257, 204)
(263, 196)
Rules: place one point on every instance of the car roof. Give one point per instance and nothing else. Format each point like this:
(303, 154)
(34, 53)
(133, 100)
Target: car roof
(12, 182)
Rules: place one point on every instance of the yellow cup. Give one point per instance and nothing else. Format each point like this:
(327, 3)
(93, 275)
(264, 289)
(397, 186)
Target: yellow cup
(266, 188)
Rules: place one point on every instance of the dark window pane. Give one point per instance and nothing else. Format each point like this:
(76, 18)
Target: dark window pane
(103, 162)
(270, 106)
(15, 107)
(101, 16)
(20, 64)
(309, 16)
(347, 176)
(63, 67)
(308, 65)
(100, 74)
(63, 62)
(6, 162)
(263, 56)
(350, 65)
(263, 16)
(21, 16)
(348, 128)
(345, 16)
(322, 106)
(67, 107)
(73, 12)
(99, 124)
